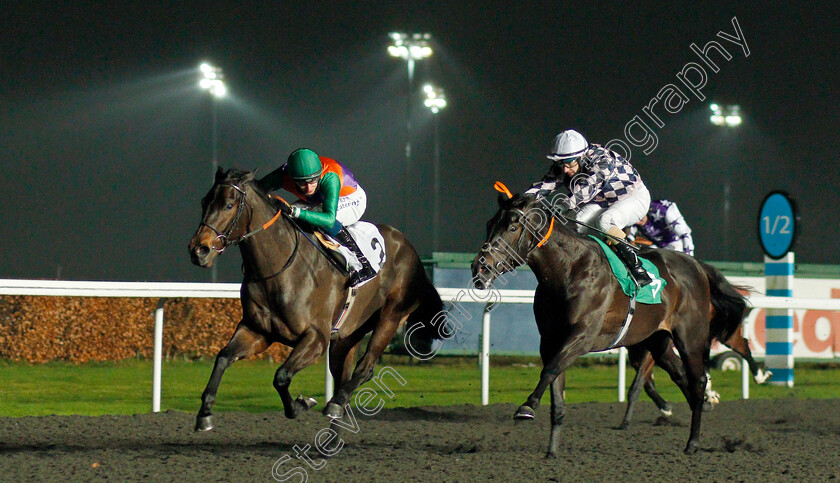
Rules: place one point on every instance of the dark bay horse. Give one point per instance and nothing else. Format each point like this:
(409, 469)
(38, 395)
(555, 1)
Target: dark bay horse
(580, 307)
(642, 361)
(291, 294)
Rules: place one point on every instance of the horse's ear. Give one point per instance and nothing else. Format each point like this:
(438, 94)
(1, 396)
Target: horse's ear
(220, 174)
(502, 199)
(248, 176)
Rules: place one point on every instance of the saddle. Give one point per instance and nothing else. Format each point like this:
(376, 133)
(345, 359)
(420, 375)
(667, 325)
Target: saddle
(333, 249)
(649, 294)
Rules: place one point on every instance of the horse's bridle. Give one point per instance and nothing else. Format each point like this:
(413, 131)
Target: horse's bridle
(490, 247)
(224, 237)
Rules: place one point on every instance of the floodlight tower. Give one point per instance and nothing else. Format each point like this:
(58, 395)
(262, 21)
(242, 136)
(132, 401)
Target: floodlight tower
(410, 48)
(212, 80)
(435, 102)
(726, 117)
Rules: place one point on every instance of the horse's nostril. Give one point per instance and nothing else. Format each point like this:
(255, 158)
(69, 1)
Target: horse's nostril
(202, 250)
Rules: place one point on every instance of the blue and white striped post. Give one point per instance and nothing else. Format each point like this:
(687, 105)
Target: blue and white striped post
(778, 276)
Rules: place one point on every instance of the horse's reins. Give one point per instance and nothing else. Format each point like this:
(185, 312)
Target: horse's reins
(225, 237)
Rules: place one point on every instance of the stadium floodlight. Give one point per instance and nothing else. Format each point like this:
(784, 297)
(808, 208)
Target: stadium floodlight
(729, 116)
(435, 98)
(410, 47)
(212, 80)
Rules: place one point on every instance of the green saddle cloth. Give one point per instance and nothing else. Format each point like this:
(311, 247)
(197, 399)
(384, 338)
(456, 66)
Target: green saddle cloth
(650, 293)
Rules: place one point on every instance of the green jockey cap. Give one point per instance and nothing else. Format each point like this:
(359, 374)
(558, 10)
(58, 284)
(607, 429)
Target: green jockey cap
(303, 164)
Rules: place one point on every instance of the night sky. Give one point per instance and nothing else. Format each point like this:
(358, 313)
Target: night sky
(106, 137)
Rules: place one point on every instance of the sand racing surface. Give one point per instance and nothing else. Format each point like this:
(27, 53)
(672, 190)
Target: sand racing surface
(754, 440)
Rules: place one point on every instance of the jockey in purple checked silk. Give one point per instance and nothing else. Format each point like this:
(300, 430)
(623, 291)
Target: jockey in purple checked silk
(605, 190)
(665, 227)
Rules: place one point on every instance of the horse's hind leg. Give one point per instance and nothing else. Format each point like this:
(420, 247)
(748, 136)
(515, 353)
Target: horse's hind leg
(244, 343)
(693, 382)
(389, 320)
(558, 412)
(740, 345)
(342, 356)
(310, 346)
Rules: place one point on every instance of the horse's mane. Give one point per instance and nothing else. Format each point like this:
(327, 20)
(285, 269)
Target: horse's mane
(529, 202)
(241, 177)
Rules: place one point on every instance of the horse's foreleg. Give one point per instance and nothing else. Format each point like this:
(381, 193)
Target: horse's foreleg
(243, 344)
(309, 347)
(556, 359)
(558, 412)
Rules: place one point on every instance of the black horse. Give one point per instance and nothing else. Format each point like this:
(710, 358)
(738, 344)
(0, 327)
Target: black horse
(292, 295)
(580, 307)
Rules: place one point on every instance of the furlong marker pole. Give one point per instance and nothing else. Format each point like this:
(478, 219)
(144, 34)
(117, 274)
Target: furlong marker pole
(779, 359)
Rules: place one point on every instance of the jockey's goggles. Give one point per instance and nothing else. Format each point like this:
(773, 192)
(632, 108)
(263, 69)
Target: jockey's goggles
(306, 181)
(563, 162)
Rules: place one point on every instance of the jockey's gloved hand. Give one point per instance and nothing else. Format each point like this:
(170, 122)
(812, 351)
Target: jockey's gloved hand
(285, 208)
(565, 203)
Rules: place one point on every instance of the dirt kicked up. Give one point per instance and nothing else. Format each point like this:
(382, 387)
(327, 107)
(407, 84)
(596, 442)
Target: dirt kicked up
(756, 440)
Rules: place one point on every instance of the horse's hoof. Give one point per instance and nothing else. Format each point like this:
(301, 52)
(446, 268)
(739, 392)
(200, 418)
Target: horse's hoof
(333, 411)
(204, 423)
(624, 425)
(524, 413)
(305, 403)
(708, 406)
(550, 455)
(762, 376)
(691, 447)
(666, 411)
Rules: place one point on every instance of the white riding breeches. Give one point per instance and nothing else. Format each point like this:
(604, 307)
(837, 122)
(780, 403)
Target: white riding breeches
(620, 214)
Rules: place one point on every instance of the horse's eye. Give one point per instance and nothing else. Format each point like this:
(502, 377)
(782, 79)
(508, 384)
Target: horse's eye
(229, 206)
(514, 228)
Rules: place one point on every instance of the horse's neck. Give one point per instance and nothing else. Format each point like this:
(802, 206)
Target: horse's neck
(272, 245)
(557, 257)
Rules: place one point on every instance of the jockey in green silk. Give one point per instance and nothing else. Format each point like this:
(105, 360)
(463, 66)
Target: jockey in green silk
(330, 199)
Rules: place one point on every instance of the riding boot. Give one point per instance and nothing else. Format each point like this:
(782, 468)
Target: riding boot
(355, 277)
(631, 259)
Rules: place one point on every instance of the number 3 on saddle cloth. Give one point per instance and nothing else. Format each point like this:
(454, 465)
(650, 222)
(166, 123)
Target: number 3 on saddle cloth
(649, 294)
(372, 244)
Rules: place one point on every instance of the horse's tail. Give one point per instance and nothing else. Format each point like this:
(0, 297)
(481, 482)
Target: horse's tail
(427, 323)
(729, 304)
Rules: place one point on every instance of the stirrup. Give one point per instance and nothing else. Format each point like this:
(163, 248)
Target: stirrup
(358, 277)
(641, 279)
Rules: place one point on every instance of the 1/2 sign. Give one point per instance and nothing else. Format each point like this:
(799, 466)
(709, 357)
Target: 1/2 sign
(778, 222)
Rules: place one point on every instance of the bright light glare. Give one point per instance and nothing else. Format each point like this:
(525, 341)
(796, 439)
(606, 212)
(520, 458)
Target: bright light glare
(435, 98)
(414, 47)
(211, 80)
(725, 115)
